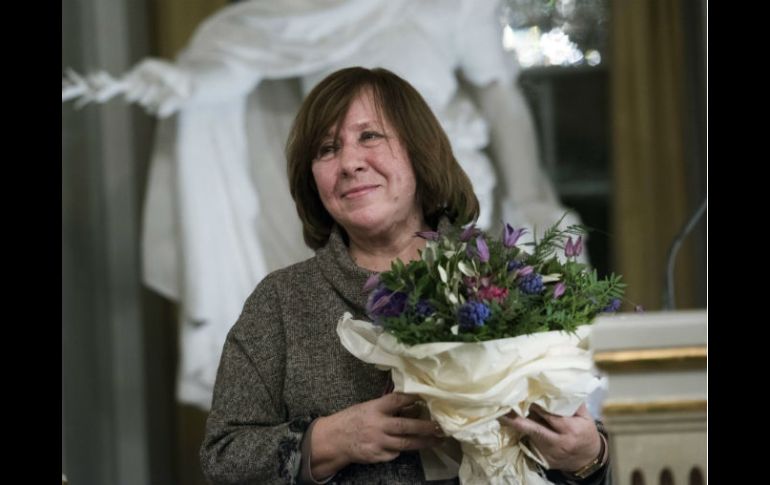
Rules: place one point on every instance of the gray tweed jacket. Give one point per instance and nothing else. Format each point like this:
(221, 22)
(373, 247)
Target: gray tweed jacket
(283, 366)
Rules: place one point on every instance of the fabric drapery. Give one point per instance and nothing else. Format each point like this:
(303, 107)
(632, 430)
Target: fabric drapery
(650, 199)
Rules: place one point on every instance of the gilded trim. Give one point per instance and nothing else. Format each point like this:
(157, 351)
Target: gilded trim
(674, 358)
(684, 405)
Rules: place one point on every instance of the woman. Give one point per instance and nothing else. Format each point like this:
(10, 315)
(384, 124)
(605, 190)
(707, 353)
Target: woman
(369, 166)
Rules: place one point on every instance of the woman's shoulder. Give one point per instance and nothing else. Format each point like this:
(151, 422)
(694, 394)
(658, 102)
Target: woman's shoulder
(269, 298)
(287, 280)
(290, 274)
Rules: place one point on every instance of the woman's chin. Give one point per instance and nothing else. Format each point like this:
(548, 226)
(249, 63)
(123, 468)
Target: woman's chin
(377, 220)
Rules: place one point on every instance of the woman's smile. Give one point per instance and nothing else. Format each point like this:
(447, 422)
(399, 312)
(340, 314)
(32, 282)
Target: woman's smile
(359, 191)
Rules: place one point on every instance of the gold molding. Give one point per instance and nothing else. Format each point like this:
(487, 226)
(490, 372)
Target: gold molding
(673, 358)
(683, 405)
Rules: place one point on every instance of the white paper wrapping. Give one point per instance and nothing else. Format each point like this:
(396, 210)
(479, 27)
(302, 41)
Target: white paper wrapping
(467, 386)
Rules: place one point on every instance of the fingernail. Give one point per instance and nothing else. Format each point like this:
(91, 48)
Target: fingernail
(438, 431)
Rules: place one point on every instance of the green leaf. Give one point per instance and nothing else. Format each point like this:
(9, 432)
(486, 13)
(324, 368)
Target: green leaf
(442, 273)
(465, 269)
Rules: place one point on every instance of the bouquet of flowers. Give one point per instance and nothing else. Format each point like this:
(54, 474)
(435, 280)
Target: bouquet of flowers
(479, 327)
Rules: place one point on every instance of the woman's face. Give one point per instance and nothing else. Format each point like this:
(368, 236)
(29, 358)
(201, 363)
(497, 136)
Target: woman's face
(365, 178)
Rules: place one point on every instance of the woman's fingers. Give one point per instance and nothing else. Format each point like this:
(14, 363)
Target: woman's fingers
(408, 442)
(413, 411)
(566, 442)
(531, 428)
(553, 421)
(407, 426)
(395, 401)
(378, 435)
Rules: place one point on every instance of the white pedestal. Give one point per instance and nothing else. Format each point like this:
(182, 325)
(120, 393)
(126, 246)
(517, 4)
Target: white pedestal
(655, 409)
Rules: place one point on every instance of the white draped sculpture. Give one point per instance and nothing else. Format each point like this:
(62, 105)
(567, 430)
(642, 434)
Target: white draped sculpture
(218, 215)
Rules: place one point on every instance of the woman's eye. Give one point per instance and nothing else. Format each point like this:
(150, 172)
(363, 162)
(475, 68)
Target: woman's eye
(370, 135)
(327, 150)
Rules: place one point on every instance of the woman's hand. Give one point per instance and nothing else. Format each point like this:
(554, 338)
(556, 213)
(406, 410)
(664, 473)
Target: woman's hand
(567, 443)
(370, 432)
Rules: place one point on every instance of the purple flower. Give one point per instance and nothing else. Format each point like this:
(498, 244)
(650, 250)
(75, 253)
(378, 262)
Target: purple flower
(613, 306)
(470, 252)
(429, 235)
(558, 290)
(481, 245)
(385, 303)
(511, 235)
(472, 315)
(469, 232)
(372, 282)
(525, 270)
(514, 264)
(573, 249)
(531, 284)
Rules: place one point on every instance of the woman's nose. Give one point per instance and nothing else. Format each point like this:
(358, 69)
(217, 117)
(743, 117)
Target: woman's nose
(352, 159)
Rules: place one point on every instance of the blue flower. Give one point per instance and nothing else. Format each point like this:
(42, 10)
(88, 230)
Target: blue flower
(472, 315)
(424, 308)
(531, 284)
(514, 265)
(613, 306)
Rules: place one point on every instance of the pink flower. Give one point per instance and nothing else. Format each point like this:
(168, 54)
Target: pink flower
(493, 293)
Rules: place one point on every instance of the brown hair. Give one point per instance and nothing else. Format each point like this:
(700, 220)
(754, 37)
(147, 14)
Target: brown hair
(443, 187)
